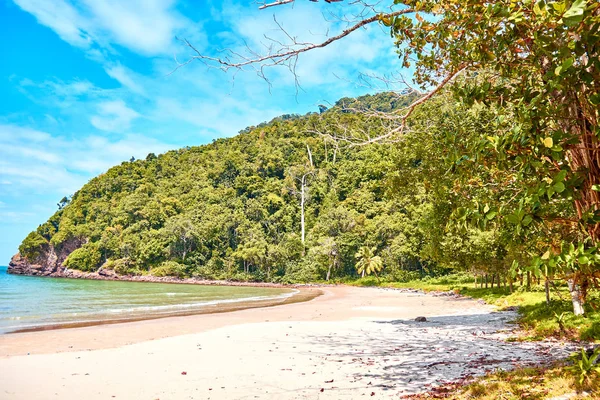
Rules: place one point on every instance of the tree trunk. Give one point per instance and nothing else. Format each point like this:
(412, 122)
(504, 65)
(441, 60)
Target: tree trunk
(576, 297)
(486, 281)
(528, 281)
(475, 281)
(362, 275)
(328, 272)
(547, 287)
(302, 200)
(493, 278)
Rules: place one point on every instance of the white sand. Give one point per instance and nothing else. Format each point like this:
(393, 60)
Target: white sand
(350, 343)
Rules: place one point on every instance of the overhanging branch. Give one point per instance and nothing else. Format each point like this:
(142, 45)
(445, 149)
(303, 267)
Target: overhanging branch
(288, 52)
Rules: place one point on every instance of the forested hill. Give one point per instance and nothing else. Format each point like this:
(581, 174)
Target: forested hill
(233, 209)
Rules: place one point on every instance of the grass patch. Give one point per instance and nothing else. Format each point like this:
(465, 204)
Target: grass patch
(523, 383)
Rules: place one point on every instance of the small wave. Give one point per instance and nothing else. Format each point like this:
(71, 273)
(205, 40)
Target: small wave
(175, 307)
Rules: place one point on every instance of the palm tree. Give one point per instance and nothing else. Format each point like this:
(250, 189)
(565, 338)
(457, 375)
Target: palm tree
(367, 262)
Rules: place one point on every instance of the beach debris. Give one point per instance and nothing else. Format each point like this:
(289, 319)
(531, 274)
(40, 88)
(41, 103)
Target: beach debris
(329, 381)
(183, 373)
(421, 319)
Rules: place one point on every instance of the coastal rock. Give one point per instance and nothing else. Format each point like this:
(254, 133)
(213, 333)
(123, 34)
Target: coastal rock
(421, 319)
(48, 263)
(19, 265)
(109, 273)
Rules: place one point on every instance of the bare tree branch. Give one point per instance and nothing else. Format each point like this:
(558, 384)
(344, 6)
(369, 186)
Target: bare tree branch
(277, 3)
(288, 52)
(281, 2)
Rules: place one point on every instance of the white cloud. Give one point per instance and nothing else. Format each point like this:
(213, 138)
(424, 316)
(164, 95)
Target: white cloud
(114, 116)
(14, 216)
(36, 162)
(124, 77)
(147, 27)
(223, 114)
(59, 94)
(61, 17)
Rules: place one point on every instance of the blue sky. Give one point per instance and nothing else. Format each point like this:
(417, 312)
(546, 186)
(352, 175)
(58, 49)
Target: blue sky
(85, 85)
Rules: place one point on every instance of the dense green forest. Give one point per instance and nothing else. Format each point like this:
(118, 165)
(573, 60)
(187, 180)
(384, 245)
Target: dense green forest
(233, 209)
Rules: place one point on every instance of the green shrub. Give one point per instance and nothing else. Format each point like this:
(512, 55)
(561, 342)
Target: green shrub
(401, 275)
(302, 272)
(125, 266)
(85, 258)
(368, 281)
(169, 268)
(32, 246)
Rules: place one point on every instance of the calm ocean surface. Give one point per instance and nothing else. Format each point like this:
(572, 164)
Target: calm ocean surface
(34, 302)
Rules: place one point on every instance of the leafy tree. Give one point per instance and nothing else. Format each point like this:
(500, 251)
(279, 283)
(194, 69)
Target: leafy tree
(85, 258)
(367, 262)
(551, 137)
(33, 245)
(328, 249)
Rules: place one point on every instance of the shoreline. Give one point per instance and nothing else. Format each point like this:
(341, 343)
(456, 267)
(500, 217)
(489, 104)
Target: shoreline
(347, 343)
(302, 295)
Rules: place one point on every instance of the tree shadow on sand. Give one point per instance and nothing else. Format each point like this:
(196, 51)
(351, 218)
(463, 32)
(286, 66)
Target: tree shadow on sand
(406, 356)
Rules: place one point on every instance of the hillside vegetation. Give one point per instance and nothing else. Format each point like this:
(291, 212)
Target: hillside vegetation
(232, 209)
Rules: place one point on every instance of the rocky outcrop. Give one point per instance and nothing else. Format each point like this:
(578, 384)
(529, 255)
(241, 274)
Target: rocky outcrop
(48, 263)
(20, 266)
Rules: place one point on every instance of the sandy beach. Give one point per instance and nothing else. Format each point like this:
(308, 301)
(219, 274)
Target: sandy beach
(347, 343)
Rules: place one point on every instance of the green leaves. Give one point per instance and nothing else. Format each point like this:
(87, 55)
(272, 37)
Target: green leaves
(584, 365)
(563, 68)
(574, 15)
(367, 262)
(558, 187)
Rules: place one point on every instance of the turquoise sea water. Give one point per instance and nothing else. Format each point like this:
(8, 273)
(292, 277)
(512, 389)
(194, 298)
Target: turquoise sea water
(34, 302)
